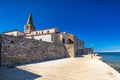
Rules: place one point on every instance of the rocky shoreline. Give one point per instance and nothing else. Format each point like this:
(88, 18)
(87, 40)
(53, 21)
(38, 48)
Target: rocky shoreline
(115, 66)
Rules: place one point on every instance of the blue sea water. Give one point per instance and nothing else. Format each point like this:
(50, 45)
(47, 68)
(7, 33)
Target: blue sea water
(111, 58)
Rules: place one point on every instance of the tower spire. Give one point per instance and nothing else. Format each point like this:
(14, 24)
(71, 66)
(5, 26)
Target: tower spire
(30, 21)
(29, 25)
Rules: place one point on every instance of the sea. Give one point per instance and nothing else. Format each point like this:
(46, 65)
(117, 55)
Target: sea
(111, 58)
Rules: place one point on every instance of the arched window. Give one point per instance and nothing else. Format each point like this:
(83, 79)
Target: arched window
(70, 41)
(63, 40)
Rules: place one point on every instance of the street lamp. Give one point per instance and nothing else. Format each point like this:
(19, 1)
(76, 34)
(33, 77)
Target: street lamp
(91, 50)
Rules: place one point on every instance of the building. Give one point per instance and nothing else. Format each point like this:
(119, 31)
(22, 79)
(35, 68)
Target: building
(14, 33)
(71, 42)
(32, 45)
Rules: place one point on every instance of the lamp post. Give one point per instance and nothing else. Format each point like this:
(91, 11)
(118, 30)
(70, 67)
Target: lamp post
(91, 50)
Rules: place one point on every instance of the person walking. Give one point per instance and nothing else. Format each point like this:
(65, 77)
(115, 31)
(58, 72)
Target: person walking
(91, 56)
(94, 53)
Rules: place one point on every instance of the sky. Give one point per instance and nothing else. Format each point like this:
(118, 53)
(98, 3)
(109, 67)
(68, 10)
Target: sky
(97, 22)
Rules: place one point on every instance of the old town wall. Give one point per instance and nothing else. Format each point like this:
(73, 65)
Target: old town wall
(19, 50)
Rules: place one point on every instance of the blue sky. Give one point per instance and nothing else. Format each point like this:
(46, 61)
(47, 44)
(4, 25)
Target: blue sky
(94, 21)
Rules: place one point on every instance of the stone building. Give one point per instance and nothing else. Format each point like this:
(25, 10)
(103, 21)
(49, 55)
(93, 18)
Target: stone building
(72, 43)
(18, 47)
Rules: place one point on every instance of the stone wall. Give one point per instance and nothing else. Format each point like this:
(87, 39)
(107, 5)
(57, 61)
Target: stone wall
(70, 49)
(19, 50)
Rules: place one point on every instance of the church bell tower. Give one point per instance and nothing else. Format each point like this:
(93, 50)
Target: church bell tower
(29, 25)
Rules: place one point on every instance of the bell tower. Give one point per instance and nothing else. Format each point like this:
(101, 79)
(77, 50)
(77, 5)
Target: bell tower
(29, 25)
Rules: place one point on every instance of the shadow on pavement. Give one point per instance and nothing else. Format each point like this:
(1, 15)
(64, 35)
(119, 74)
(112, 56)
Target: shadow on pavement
(16, 74)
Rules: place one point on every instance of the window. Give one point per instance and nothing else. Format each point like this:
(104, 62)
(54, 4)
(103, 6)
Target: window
(40, 39)
(63, 40)
(26, 27)
(32, 38)
(42, 32)
(70, 41)
(47, 31)
(12, 42)
(36, 33)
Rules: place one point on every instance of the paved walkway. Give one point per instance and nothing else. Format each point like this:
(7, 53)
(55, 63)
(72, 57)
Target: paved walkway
(82, 68)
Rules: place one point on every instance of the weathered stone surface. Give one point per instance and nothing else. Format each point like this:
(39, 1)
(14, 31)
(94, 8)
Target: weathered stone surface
(70, 49)
(19, 50)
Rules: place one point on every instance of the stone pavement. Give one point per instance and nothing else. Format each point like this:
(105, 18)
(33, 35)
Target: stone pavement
(81, 68)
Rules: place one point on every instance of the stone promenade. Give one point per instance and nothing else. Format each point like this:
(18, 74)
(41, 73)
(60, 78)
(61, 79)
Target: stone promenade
(80, 68)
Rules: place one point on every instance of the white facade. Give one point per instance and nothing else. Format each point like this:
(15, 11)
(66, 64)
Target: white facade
(43, 35)
(41, 32)
(47, 38)
(14, 33)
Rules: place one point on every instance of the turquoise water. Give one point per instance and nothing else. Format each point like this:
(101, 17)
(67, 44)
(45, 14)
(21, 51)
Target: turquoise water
(111, 58)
